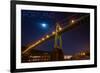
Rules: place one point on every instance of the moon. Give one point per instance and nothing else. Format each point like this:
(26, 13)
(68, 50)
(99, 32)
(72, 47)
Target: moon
(44, 25)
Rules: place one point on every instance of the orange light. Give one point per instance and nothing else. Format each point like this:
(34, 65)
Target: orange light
(83, 53)
(47, 36)
(60, 28)
(43, 39)
(39, 41)
(53, 32)
(73, 21)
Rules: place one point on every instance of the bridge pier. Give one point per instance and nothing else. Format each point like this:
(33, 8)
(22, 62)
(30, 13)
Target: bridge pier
(57, 54)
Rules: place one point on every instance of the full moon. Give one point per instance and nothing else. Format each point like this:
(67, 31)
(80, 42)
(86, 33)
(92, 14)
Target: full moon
(44, 25)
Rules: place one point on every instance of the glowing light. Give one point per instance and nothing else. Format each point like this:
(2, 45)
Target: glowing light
(83, 53)
(43, 39)
(44, 25)
(53, 32)
(73, 21)
(39, 41)
(67, 57)
(47, 36)
(60, 28)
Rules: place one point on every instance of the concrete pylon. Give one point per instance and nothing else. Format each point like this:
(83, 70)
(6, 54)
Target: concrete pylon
(57, 53)
(58, 39)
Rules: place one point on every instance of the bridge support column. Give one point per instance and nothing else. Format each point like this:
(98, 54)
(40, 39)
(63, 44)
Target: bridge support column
(57, 53)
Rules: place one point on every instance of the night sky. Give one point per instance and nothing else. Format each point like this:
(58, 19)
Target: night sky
(36, 24)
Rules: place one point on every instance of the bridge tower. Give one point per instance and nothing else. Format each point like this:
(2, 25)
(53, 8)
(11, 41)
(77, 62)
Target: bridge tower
(58, 39)
(57, 53)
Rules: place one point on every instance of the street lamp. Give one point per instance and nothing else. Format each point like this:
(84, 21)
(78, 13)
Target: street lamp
(47, 36)
(53, 32)
(73, 21)
(60, 28)
(43, 39)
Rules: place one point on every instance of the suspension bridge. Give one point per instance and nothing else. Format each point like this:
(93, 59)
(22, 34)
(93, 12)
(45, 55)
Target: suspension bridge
(73, 24)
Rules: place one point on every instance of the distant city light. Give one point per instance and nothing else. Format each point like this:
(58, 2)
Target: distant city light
(67, 57)
(83, 53)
